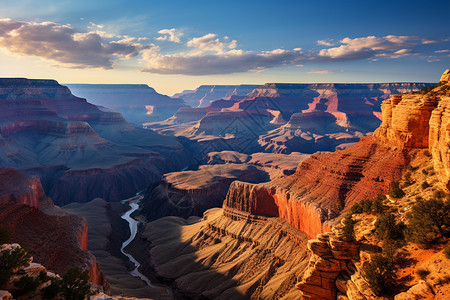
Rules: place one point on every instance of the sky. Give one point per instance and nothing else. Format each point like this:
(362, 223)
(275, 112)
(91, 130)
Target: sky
(174, 45)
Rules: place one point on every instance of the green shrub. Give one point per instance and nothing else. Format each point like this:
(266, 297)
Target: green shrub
(380, 274)
(428, 221)
(427, 153)
(76, 284)
(396, 191)
(377, 205)
(366, 205)
(386, 227)
(356, 209)
(348, 229)
(425, 172)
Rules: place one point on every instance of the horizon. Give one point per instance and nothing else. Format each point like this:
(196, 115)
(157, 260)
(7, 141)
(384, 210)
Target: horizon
(179, 46)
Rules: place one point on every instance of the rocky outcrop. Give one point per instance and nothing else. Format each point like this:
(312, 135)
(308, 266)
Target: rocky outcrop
(20, 188)
(329, 256)
(190, 193)
(56, 240)
(226, 255)
(138, 103)
(77, 150)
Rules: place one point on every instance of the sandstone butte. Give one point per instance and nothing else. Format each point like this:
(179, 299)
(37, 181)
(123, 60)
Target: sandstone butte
(55, 239)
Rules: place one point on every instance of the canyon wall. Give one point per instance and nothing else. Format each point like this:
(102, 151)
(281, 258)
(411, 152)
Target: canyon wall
(79, 151)
(56, 240)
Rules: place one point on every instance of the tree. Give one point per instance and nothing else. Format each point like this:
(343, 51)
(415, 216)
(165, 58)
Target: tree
(396, 191)
(12, 259)
(74, 285)
(380, 274)
(348, 229)
(428, 221)
(377, 205)
(386, 227)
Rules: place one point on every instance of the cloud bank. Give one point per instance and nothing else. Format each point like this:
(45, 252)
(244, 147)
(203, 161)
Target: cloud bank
(205, 55)
(63, 44)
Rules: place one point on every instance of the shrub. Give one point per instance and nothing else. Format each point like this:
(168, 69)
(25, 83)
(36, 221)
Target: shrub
(356, 209)
(348, 230)
(380, 275)
(25, 285)
(428, 221)
(12, 259)
(73, 286)
(427, 153)
(425, 185)
(366, 205)
(377, 205)
(422, 273)
(387, 228)
(425, 172)
(396, 191)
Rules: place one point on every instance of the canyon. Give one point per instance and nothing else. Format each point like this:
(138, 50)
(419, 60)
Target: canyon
(243, 193)
(79, 151)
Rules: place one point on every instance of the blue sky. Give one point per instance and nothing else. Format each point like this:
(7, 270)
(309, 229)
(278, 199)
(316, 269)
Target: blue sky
(176, 45)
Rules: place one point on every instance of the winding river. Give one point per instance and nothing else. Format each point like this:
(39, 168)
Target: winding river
(134, 204)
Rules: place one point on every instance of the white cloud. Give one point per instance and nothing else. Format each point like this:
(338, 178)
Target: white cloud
(64, 44)
(442, 51)
(324, 43)
(370, 46)
(322, 72)
(233, 61)
(209, 42)
(171, 35)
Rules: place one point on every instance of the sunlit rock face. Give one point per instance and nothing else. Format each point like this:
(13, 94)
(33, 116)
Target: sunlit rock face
(286, 118)
(79, 151)
(138, 103)
(190, 193)
(55, 239)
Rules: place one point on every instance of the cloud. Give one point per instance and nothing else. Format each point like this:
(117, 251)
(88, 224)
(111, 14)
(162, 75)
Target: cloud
(324, 43)
(209, 42)
(442, 51)
(367, 47)
(322, 72)
(64, 44)
(233, 61)
(171, 35)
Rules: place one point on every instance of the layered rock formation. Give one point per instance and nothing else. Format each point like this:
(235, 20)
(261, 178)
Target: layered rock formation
(79, 151)
(56, 240)
(138, 103)
(204, 94)
(226, 255)
(420, 121)
(287, 118)
(190, 193)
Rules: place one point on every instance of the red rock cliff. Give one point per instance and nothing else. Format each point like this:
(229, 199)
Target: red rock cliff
(57, 241)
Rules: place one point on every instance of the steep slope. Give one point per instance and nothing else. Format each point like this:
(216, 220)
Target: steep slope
(78, 151)
(138, 103)
(56, 240)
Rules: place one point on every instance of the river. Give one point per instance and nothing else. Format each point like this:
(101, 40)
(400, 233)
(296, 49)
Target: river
(134, 204)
